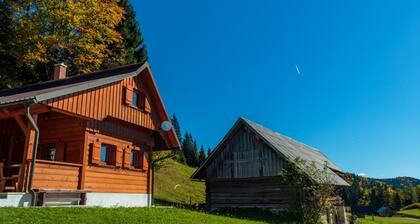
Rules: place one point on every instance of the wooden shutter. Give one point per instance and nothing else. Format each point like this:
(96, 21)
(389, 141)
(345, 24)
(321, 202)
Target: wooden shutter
(128, 94)
(96, 152)
(145, 160)
(147, 106)
(127, 162)
(119, 157)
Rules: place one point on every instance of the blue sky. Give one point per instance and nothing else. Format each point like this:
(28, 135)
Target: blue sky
(357, 98)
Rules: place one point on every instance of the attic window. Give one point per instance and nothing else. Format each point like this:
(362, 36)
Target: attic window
(137, 99)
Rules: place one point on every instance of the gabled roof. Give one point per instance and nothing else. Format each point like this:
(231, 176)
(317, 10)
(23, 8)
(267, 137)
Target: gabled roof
(288, 148)
(40, 92)
(56, 88)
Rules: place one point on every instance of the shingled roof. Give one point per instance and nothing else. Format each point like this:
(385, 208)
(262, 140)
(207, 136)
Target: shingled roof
(56, 88)
(288, 148)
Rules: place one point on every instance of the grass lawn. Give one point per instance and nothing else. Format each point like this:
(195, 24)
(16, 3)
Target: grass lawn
(411, 213)
(386, 220)
(122, 215)
(173, 184)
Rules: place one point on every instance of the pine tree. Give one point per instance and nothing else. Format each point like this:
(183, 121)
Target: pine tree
(132, 50)
(177, 127)
(396, 202)
(201, 156)
(208, 152)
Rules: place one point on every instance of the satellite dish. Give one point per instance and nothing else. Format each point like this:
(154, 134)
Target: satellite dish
(166, 126)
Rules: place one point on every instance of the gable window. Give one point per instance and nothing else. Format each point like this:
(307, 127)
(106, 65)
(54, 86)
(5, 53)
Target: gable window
(137, 99)
(108, 154)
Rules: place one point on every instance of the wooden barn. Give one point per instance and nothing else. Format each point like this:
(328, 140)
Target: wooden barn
(241, 172)
(84, 140)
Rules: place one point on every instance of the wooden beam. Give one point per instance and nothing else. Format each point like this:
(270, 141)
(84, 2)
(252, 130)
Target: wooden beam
(21, 123)
(85, 155)
(27, 156)
(11, 113)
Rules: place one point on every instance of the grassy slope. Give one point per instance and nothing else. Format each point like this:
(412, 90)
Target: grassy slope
(415, 213)
(115, 215)
(175, 174)
(386, 220)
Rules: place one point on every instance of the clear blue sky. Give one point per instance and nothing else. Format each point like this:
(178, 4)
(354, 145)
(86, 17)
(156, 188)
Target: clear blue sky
(357, 98)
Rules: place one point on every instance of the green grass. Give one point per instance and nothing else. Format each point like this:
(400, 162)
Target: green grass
(415, 213)
(173, 174)
(412, 206)
(64, 215)
(387, 220)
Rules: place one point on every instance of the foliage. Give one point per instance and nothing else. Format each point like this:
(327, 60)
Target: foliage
(201, 156)
(189, 153)
(132, 49)
(98, 215)
(173, 184)
(375, 193)
(313, 189)
(86, 35)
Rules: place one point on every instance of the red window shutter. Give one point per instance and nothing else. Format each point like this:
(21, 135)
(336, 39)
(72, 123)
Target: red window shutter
(118, 157)
(145, 157)
(147, 106)
(127, 153)
(128, 95)
(96, 152)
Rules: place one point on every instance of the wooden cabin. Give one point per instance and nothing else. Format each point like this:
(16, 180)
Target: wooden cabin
(84, 140)
(242, 171)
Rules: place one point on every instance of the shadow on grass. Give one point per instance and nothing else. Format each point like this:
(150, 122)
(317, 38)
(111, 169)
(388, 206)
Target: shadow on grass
(245, 214)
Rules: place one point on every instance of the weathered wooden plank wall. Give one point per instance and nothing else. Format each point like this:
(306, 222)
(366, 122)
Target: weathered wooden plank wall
(244, 156)
(265, 192)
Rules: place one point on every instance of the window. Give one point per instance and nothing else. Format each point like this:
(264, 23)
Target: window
(136, 159)
(136, 100)
(108, 154)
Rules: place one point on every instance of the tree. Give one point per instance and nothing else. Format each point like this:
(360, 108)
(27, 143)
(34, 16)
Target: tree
(311, 196)
(396, 202)
(132, 50)
(189, 149)
(208, 152)
(177, 127)
(201, 156)
(43, 33)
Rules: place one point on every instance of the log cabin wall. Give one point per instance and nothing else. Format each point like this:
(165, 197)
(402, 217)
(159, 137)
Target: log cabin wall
(63, 132)
(244, 156)
(266, 192)
(110, 101)
(120, 176)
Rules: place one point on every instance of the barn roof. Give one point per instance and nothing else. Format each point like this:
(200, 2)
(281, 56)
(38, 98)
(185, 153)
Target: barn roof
(40, 92)
(285, 146)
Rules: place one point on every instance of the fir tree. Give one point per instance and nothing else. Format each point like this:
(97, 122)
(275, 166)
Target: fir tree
(208, 152)
(133, 49)
(177, 127)
(201, 156)
(396, 202)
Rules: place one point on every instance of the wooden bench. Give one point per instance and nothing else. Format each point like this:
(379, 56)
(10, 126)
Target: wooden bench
(45, 196)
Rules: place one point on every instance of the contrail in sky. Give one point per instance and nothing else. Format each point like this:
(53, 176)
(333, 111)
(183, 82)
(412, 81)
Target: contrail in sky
(297, 69)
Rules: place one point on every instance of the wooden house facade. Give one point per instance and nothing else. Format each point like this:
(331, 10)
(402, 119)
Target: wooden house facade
(91, 136)
(243, 170)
